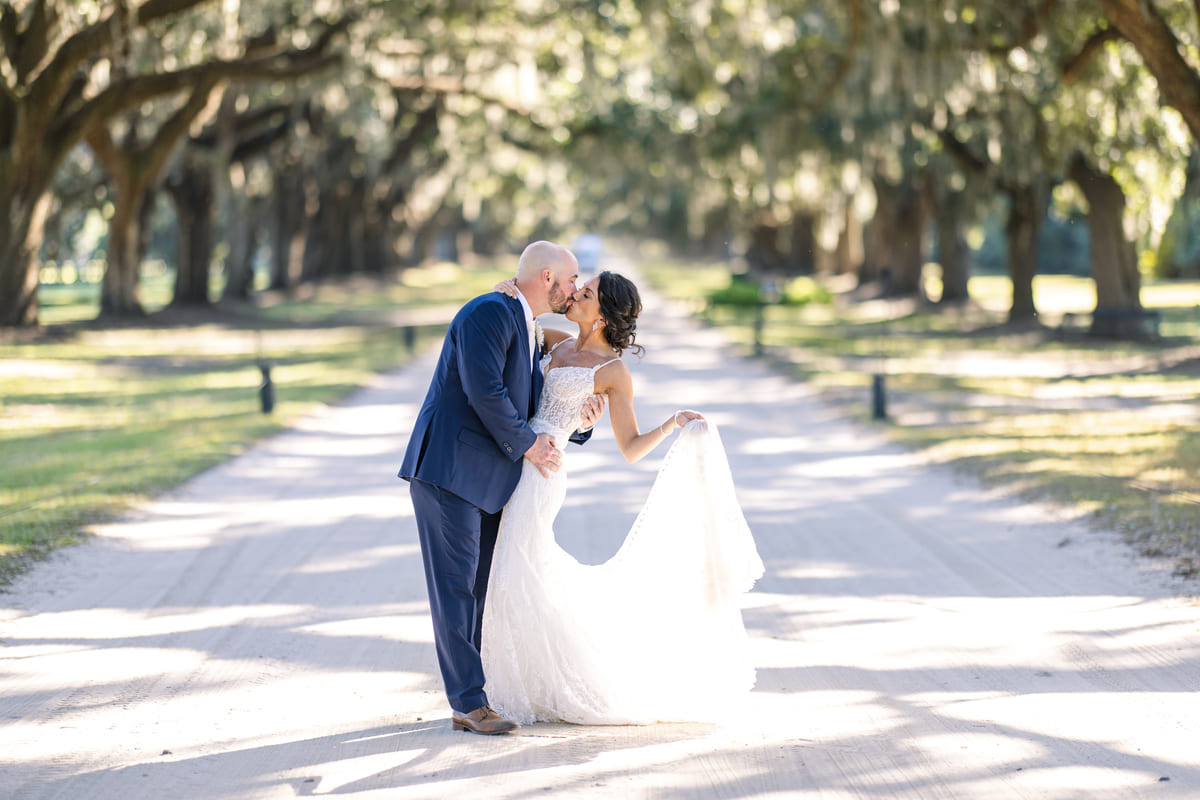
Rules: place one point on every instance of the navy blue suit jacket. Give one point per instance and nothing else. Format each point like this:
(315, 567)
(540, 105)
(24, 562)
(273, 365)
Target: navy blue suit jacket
(472, 431)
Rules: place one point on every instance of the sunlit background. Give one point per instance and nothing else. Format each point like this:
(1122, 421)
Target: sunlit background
(947, 236)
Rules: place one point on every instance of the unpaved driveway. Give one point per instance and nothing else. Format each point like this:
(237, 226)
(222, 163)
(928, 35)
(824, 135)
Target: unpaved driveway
(263, 631)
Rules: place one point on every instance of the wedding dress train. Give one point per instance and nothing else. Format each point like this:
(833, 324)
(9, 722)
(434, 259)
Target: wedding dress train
(653, 634)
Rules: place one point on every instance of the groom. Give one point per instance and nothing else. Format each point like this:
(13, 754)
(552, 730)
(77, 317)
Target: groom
(464, 460)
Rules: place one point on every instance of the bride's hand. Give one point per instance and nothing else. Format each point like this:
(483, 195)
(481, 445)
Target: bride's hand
(508, 287)
(679, 419)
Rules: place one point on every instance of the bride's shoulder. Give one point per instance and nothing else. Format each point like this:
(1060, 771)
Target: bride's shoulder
(612, 373)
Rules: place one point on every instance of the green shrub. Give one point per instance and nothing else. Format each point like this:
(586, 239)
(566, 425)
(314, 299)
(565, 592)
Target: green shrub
(741, 291)
(744, 291)
(803, 290)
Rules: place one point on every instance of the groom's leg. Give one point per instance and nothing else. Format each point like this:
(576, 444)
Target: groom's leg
(449, 532)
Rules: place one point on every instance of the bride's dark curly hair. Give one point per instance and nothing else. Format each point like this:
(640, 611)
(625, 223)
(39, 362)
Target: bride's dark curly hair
(620, 305)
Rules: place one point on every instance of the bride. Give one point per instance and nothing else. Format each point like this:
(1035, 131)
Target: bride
(655, 633)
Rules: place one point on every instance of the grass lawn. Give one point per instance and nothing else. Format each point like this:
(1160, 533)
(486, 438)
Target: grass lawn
(1110, 429)
(94, 418)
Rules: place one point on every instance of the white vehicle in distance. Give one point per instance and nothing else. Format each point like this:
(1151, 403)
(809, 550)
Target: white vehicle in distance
(589, 250)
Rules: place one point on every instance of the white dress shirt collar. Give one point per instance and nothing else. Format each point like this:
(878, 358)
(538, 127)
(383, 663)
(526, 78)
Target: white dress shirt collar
(530, 326)
(525, 305)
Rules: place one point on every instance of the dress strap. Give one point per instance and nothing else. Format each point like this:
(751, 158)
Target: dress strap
(560, 341)
(605, 364)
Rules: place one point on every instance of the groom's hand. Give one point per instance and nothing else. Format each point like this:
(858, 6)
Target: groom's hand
(544, 455)
(593, 410)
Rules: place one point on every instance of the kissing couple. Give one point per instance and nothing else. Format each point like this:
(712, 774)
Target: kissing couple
(523, 631)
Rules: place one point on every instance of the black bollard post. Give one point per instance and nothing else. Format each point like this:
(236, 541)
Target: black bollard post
(410, 337)
(878, 398)
(266, 390)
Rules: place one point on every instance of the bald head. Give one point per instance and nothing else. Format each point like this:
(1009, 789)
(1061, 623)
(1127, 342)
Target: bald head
(543, 255)
(546, 277)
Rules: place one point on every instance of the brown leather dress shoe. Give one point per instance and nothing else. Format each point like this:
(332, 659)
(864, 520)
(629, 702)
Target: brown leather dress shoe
(482, 720)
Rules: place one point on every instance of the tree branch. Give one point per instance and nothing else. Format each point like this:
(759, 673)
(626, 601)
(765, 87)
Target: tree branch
(177, 125)
(137, 89)
(402, 151)
(1031, 24)
(847, 62)
(154, 10)
(1033, 21)
(252, 144)
(101, 142)
(245, 125)
(46, 86)
(1073, 69)
(9, 40)
(1144, 26)
(445, 86)
(34, 41)
(8, 98)
(962, 154)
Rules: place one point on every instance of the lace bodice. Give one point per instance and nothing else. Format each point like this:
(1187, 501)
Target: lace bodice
(560, 407)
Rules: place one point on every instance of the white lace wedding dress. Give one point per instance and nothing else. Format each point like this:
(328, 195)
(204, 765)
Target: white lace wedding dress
(653, 634)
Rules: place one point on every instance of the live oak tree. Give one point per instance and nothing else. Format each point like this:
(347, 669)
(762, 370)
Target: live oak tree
(64, 74)
(756, 128)
(1120, 146)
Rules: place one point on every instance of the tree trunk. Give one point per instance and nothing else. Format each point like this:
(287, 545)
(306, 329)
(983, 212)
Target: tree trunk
(910, 246)
(20, 235)
(1024, 221)
(377, 258)
(135, 166)
(802, 244)
(426, 233)
(193, 193)
(289, 226)
(1114, 258)
(338, 250)
(848, 256)
(315, 259)
(239, 264)
(950, 208)
(119, 287)
(895, 240)
(763, 254)
(954, 256)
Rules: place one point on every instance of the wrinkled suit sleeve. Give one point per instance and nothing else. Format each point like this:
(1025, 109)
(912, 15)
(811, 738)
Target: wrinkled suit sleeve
(486, 336)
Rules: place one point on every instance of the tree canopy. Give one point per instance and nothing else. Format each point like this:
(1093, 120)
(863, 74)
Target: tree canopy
(352, 136)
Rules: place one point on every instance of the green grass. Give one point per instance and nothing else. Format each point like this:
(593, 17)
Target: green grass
(94, 419)
(1107, 428)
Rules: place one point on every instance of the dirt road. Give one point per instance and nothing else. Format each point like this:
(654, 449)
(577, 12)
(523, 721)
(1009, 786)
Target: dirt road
(263, 631)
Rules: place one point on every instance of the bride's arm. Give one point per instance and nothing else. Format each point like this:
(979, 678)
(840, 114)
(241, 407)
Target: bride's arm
(634, 444)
